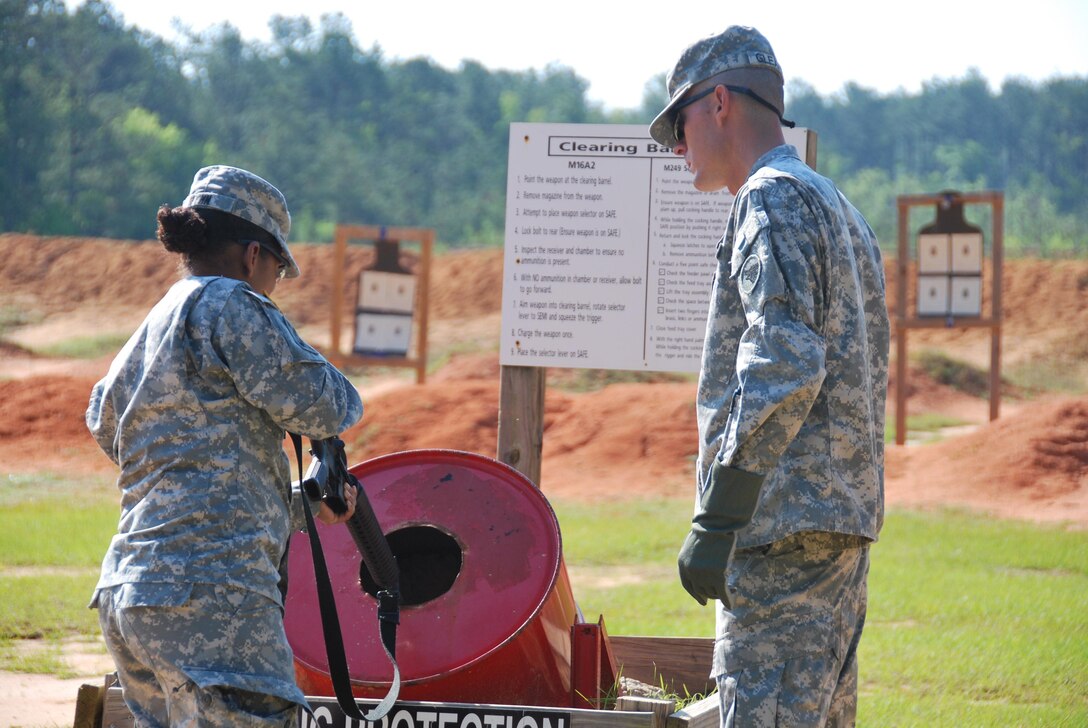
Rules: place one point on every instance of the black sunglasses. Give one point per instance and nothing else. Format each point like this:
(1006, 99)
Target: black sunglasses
(281, 269)
(678, 119)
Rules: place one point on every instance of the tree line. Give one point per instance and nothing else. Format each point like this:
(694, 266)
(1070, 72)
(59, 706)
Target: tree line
(101, 123)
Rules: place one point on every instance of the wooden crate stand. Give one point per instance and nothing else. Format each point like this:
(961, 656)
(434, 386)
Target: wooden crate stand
(680, 665)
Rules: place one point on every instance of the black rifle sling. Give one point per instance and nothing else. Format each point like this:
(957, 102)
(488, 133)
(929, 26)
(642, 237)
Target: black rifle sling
(330, 622)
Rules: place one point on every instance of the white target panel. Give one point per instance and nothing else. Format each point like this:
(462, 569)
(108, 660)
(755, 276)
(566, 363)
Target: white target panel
(965, 296)
(382, 333)
(932, 295)
(967, 253)
(933, 253)
(387, 291)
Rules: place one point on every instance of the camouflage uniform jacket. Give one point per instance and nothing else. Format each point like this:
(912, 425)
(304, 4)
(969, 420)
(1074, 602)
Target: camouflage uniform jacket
(795, 361)
(194, 409)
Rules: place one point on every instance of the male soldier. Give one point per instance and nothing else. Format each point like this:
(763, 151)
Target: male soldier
(791, 398)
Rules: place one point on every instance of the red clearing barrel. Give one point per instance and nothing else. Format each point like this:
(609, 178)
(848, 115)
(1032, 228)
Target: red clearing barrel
(486, 604)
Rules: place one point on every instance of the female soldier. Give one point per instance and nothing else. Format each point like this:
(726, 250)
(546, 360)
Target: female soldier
(194, 410)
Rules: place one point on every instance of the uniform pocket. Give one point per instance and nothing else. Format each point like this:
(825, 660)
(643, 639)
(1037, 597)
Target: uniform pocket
(237, 603)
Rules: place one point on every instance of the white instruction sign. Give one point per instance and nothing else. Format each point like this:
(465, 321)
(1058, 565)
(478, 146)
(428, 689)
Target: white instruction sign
(609, 253)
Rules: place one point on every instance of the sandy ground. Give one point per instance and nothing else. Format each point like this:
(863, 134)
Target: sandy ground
(622, 441)
(45, 700)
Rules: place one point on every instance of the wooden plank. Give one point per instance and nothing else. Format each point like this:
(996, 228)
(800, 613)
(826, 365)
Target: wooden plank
(659, 709)
(413, 714)
(997, 205)
(981, 196)
(943, 322)
(115, 714)
(902, 263)
(336, 314)
(89, 704)
(426, 245)
(679, 664)
(810, 148)
(610, 719)
(703, 714)
(409, 714)
(521, 419)
(900, 383)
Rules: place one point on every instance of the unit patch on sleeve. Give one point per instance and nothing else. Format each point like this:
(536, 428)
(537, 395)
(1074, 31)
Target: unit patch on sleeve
(749, 273)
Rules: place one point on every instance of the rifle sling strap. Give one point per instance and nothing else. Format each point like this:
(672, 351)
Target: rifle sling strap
(388, 618)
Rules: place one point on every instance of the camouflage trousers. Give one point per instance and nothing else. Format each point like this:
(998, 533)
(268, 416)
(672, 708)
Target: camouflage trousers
(786, 650)
(219, 659)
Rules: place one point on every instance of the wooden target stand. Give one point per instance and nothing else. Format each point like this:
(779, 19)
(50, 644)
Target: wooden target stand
(904, 322)
(416, 307)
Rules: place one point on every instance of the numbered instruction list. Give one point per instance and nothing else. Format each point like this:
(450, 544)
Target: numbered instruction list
(610, 251)
(609, 254)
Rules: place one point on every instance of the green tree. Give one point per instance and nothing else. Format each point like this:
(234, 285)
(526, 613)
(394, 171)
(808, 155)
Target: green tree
(100, 123)
(26, 125)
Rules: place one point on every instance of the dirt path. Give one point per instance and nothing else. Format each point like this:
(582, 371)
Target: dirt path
(44, 700)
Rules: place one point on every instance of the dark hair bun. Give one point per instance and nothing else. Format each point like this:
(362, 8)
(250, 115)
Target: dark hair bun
(182, 230)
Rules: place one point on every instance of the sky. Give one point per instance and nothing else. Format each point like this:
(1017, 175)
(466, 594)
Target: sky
(617, 48)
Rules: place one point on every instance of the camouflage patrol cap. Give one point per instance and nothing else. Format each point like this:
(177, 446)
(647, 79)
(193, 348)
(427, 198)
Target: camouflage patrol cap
(735, 48)
(247, 196)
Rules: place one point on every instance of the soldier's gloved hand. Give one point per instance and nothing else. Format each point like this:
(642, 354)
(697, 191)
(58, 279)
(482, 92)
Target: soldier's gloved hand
(726, 505)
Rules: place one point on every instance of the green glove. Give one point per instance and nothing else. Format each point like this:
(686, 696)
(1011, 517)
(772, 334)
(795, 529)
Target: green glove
(726, 506)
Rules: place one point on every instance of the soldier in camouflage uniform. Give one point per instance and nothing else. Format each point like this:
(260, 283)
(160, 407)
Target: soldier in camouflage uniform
(194, 410)
(790, 476)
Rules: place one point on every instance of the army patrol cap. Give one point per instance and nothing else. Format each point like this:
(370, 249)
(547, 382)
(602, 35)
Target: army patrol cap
(738, 48)
(247, 196)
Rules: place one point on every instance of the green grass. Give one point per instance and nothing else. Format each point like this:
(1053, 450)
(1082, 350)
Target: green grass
(972, 621)
(1063, 367)
(591, 380)
(50, 606)
(437, 358)
(628, 552)
(12, 317)
(53, 532)
(926, 424)
(85, 347)
(59, 535)
(976, 622)
(959, 375)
